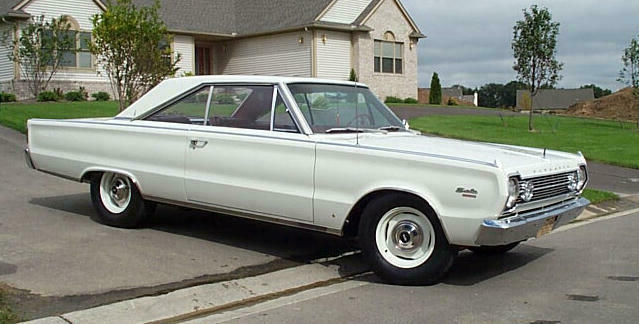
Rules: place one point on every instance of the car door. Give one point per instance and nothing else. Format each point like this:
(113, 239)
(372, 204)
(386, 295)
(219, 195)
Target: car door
(249, 155)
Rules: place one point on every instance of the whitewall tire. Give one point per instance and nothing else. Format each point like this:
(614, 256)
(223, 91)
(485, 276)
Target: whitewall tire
(118, 202)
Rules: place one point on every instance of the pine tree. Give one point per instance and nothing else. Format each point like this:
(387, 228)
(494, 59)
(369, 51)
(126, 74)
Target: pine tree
(435, 96)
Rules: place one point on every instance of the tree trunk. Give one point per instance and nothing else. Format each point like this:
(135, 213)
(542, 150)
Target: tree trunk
(531, 126)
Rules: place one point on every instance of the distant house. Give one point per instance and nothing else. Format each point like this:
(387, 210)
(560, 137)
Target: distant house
(456, 93)
(553, 99)
(306, 38)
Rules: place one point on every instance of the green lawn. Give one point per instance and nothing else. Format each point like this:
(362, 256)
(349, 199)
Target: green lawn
(598, 140)
(7, 316)
(436, 106)
(15, 115)
(598, 196)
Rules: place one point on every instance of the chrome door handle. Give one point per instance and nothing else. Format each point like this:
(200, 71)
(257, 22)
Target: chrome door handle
(195, 143)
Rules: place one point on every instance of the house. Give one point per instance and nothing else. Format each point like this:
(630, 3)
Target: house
(553, 99)
(454, 92)
(306, 38)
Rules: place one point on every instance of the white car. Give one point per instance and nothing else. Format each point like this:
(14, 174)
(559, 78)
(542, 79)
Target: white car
(316, 154)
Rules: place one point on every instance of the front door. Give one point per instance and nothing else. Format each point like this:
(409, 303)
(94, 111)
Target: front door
(249, 157)
(203, 60)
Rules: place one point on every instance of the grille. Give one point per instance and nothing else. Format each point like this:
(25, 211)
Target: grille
(549, 186)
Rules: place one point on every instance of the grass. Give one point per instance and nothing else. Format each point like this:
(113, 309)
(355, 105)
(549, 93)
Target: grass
(7, 316)
(436, 106)
(15, 115)
(599, 140)
(598, 196)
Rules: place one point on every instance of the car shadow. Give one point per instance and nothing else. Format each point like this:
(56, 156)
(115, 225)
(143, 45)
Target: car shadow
(471, 268)
(293, 244)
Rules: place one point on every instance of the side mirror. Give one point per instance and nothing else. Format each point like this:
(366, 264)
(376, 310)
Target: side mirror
(405, 123)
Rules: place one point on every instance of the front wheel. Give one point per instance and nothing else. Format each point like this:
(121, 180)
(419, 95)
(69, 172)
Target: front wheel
(118, 202)
(403, 241)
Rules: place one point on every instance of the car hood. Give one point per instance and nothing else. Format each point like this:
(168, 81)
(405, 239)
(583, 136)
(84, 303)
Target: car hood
(523, 160)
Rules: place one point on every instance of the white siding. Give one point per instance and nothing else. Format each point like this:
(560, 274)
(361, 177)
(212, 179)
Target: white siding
(6, 65)
(345, 11)
(81, 11)
(334, 56)
(280, 54)
(185, 46)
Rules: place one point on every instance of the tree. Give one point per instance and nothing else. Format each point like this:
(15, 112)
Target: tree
(353, 76)
(465, 91)
(435, 95)
(490, 95)
(629, 74)
(132, 46)
(509, 93)
(599, 92)
(40, 49)
(534, 47)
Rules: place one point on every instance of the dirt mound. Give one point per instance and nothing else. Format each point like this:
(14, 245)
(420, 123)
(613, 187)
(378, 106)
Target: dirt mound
(619, 105)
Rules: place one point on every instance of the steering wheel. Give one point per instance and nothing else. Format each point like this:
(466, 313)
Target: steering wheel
(360, 119)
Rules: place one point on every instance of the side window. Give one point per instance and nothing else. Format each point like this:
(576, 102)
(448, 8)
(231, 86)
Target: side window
(188, 110)
(283, 121)
(241, 107)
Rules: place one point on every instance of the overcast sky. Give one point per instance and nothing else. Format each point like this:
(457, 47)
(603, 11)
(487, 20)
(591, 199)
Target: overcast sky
(469, 41)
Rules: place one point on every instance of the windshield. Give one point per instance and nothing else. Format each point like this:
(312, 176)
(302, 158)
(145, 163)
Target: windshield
(330, 108)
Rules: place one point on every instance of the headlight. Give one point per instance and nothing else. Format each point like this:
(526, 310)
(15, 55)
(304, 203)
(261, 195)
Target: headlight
(513, 192)
(582, 177)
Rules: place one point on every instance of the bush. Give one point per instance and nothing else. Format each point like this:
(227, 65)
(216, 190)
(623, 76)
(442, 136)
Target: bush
(58, 93)
(411, 101)
(451, 102)
(74, 96)
(47, 96)
(224, 99)
(7, 97)
(392, 99)
(101, 96)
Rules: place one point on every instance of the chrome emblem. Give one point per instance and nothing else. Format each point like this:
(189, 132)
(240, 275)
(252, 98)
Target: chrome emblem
(467, 193)
(526, 190)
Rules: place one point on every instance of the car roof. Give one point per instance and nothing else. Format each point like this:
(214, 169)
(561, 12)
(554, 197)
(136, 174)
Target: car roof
(171, 88)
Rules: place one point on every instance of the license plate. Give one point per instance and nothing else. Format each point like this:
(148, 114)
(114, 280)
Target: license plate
(546, 227)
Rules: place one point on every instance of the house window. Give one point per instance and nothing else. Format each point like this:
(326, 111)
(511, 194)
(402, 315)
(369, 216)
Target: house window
(79, 56)
(388, 56)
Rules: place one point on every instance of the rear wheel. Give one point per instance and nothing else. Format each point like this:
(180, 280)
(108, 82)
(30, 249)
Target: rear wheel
(497, 249)
(403, 241)
(118, 202)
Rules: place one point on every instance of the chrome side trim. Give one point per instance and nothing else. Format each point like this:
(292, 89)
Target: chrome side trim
(522, 227)
(245, 214)
(27, 157)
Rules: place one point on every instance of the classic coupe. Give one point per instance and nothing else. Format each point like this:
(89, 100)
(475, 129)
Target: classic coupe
(317, 154)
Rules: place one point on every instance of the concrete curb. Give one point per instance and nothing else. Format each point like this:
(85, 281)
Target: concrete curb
(203, 300)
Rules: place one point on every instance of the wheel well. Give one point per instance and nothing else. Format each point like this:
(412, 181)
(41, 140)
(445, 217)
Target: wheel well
(351, 226)
(89, 176)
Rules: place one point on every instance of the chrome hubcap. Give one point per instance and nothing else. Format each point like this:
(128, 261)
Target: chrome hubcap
(405, 237)
(115, 192)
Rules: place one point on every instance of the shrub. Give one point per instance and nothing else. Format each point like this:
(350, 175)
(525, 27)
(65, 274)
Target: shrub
(74, 96)
(7, 97)
(101, 96)
(410, 101)
(47, 96)
(435, 95)
(392, 99)
(224, 99)
(451, 102)
(58, 93)
(320, 103)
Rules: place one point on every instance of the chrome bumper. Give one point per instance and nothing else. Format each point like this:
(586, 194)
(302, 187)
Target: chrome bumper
(522, 227)
(27, 157)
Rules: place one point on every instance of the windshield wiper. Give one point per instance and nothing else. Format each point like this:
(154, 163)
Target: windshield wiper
(354, 130)
(345, 130)
(390, 128)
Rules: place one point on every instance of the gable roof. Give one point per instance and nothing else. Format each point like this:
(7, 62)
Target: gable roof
(233, 18)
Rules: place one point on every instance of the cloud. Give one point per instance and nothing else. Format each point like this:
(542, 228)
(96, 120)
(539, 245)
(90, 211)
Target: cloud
(469, 41)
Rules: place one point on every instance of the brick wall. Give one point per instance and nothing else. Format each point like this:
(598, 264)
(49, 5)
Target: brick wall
(21, 89)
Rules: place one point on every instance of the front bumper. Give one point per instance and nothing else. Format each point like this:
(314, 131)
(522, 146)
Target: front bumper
(522, 227)
(27, 157)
